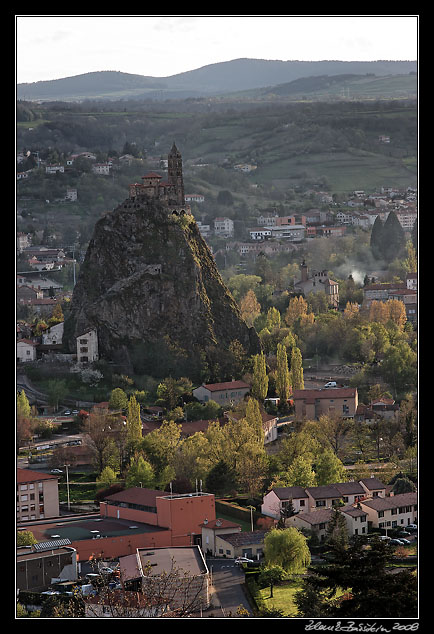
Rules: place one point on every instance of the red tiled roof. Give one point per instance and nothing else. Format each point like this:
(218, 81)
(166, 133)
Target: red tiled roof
(336, 392)
(137, 495)
(230, 385)
(27, 475)
(152, 175)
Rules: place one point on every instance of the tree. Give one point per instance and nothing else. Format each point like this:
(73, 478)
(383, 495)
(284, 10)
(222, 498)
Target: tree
(337, 530)
(221, 479)
(26, 538)
(297, 308)
(57, 390)
(23, 406)
(329, 469)
(254, 418)
(140, 473)
(118, 399)
(296, 375)
(283, 385)
(403, 485)
(161, 445)
(287, 548)
(250, 307)
(370, 588)
(393, 238)
(107, 477)
(273, 318)
(260, 379)
(300, 473)
(134, 422)
(170, 391)
(376, 243)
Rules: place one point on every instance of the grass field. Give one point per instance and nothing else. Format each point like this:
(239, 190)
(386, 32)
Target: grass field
(283, 597)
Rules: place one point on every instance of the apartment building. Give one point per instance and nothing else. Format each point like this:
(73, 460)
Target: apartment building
(396, 511)
(37, 495)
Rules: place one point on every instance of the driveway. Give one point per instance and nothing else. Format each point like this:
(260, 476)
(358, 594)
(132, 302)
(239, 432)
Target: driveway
(228, 595)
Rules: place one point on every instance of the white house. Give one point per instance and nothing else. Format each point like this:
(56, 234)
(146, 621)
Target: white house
(311, 499)
(53, 335)
(26, 350)
(278, 499)
(213, 528)
(391, 512)
(87, 347)
(101, 168)
(294, 233)
(260, 233)
(317, 521)
(224, 227)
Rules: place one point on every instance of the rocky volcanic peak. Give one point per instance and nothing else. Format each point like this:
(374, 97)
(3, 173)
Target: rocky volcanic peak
(150, 288)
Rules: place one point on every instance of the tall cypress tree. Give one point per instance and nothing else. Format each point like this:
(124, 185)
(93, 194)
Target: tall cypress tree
(376, 243)
(393, 239)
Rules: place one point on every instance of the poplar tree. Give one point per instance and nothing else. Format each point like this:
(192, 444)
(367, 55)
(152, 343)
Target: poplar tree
(296, 376)
(282, 373)
(23, 406)
(254, 418)
(260, 378)
(134, 422)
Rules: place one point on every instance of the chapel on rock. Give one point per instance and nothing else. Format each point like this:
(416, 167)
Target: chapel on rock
(170, 192)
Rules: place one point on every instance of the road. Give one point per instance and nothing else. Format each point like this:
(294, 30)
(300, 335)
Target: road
(228, 593)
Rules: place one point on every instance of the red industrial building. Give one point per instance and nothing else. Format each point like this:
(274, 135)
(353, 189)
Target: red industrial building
(134, 518)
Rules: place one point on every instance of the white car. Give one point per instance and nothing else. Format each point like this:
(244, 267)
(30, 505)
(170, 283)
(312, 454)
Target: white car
(56, 471)
(243, 560)
(331, 384)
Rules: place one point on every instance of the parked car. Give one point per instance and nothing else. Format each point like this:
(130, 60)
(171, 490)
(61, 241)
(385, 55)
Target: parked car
(331, 384)
(403, 534)
(396, 542)
(412, 528)
(243, 560)
(66, 413)
(385, 537)
(404, 541)
(106, 570)
(56, 471)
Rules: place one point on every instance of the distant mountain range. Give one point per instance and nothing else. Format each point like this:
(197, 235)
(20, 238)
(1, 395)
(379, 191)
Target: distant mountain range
(208, 81)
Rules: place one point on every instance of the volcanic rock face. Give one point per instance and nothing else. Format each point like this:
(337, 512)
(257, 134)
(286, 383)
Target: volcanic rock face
(150, 288)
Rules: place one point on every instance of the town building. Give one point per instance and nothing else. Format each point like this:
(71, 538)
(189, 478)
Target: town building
(37, 495)
(318, 281)
(396, 511)
(177, 575)
(309, 499)
(227, 393)
(40, 565)
(240, 544)
(224, 227)
(26, 350)
(317, 521)
(87, 347)
(213, 529)
(313, 403)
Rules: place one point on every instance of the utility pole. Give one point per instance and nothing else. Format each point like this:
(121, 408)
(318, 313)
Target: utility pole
(67, 484)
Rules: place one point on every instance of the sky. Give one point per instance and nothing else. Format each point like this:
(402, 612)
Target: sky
(52, 47)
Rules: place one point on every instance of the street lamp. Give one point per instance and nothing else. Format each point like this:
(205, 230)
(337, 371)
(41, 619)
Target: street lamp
(67, 484)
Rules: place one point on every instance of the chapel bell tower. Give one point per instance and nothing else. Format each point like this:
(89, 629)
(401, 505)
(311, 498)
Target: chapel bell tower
(174, 167)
